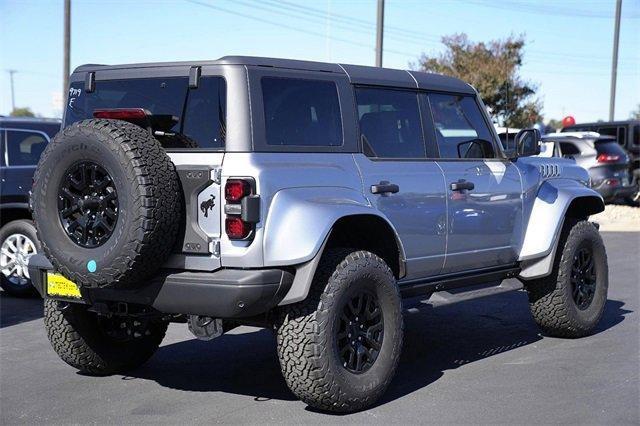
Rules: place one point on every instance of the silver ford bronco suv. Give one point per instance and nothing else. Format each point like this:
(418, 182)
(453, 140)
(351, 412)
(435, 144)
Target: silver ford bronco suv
(315, 199)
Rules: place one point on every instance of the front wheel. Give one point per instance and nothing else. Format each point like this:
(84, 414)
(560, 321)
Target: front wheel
(96, 344)
(570, 301)
(339, 348)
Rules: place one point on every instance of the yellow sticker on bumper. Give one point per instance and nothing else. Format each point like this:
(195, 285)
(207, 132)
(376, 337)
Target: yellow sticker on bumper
(57, 285)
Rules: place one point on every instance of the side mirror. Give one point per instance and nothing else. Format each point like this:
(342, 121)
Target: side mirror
(528, 142)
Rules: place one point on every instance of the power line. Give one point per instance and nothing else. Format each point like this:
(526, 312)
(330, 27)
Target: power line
(421, 39)
(545, 8)
(290, 27)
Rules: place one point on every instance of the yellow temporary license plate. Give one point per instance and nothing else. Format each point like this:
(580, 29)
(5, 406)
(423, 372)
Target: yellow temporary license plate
(59, 286)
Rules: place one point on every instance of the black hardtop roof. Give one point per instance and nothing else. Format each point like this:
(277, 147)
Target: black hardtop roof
(358, 74)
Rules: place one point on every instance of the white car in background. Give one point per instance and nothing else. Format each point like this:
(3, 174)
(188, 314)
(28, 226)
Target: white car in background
(508, 134)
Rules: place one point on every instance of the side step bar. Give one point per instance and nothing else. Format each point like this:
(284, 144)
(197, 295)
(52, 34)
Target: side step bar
(443, 298)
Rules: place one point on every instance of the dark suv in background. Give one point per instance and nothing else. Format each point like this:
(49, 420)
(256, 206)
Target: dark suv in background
(22, 140)
(627, 134)
(604, 159)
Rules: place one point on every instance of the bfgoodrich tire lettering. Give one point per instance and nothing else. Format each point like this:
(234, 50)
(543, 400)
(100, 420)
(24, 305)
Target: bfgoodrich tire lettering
(551, 298)
(148, 198)
(306, 336)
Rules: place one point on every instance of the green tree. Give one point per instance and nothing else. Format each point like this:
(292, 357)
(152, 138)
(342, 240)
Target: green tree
(493, 69)
(635, 115)
(22, 112)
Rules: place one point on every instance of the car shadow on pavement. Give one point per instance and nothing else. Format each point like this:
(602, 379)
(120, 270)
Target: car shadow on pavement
(16, 310)
(436, 340)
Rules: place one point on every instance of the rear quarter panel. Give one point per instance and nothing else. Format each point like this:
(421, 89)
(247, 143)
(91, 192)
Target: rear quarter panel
(301, 196)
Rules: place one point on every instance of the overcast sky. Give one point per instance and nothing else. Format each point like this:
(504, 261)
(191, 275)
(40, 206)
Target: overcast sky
(568, 51)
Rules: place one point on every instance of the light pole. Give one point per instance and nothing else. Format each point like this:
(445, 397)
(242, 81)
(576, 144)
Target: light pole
(13, 97)
(614, 61)
(67, 48)
(379, 29)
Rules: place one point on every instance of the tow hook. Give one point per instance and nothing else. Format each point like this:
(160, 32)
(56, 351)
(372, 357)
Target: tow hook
(205, 328)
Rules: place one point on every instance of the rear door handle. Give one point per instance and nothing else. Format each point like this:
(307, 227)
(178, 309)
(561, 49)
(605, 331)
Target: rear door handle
(384, 187)
(461, 185)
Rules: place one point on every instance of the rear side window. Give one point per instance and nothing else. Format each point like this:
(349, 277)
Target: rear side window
(461, 131)
(24, 147)
(569, 149)
(300, 112)
(390, 123)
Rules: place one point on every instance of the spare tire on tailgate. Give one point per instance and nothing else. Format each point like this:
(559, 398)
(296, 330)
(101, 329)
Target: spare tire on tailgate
(107, 204)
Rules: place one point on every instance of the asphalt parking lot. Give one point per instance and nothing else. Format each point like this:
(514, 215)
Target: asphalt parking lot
(478, 362)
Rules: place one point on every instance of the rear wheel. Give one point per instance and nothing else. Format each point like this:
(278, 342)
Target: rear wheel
(18, 242)
(97, 344)
(339, 348)
(106, 202)
(570, 301)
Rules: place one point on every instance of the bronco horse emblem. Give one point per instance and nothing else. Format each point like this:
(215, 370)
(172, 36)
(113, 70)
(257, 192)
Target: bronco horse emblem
(207, 205)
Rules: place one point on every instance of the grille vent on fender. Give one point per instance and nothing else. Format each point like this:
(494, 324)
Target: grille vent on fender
(550, 170)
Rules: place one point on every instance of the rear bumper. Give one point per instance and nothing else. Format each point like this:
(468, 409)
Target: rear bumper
(611, 193)
(225, 293)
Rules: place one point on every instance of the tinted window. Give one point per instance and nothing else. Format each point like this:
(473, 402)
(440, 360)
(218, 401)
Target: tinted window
(390, 123)
(301, 112)
(160, 96)
(25, 148)
(568, 148)
(636, 135)
(204, 118)
(461, 131)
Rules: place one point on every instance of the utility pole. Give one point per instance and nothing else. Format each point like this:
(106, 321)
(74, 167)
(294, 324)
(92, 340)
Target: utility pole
(67, 48)
(13, 97)
(379, 29)
(614, 62)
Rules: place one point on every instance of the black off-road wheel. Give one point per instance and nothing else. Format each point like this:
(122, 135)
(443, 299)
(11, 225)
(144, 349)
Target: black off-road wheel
(570, 301)
(339, 348)
(98, 345)
(106, 199)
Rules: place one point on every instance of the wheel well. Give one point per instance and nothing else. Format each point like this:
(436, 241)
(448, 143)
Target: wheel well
(582, 207)
(11, 214)
(371, 233)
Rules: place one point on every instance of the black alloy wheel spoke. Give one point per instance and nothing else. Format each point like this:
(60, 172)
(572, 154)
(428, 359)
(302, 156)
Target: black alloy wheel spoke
(583, 278)
(360, 332)
(88, 204)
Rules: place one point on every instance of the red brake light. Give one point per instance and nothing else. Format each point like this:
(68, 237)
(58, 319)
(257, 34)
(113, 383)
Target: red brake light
(236, 228)
(608, 158)
(126, 114)
(236, 189)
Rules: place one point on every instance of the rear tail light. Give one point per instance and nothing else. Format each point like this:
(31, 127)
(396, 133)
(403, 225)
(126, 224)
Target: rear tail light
(613, 182)
(236, 228)
(236, 189)
(242, 208)
(607, 158)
